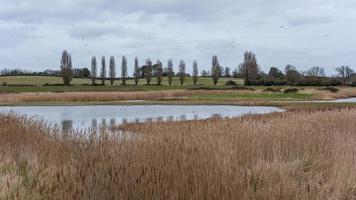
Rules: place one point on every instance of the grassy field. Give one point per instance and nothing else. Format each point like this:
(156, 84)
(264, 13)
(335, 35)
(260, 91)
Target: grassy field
(179, 96)
(307, 153)
(53, 84)
(48, 90)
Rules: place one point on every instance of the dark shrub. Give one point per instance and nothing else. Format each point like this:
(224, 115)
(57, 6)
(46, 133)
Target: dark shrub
(353, 84)
(272, 90)
(241, 88)
(291, 90)
(230, 82)
(202, 88)
(335, 82)
(310, 82)
(4, 83)
(330, 89)
(267, 81)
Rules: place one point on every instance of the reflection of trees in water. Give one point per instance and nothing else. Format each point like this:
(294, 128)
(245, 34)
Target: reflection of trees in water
(170, 118)
(98, 123)
(216, 116)
(103, 122)
(182, 117)
(112, 122)
(67, 125)
(94, 123)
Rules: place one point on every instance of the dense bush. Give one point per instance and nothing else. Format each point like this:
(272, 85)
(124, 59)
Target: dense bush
(335, 82)
(312, 81)
(230, 82)
(268, 81)
(269, 89)
(291, 90)
(330, 89)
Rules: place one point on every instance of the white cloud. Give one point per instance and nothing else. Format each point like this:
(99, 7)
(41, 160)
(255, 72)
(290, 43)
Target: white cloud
(304, 33)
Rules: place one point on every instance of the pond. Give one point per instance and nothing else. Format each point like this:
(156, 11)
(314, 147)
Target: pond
(109, 115)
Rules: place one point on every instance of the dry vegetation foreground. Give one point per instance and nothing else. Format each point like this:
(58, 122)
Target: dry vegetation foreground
(292, 155)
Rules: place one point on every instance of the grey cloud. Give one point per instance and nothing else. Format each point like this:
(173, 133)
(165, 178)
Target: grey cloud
(181, 29)
(310, 20)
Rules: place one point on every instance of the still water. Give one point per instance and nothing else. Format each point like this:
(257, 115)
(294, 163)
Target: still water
(109, 115)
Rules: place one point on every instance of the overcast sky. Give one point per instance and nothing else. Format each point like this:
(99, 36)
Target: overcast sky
(305, 33)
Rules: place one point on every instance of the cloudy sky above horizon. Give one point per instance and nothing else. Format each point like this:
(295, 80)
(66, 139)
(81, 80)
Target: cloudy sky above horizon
(305, 33)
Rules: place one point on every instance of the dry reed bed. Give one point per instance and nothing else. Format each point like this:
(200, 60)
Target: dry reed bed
(13, 98)
(292, 155)
(98, 96)
(344, 92)
(88, 96)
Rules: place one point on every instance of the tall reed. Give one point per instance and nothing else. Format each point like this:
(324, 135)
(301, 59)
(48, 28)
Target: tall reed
(292, 155)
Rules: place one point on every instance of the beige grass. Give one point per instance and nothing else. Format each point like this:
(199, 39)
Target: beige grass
(89, 96)
(13, 98)
(293, 155)
(344, 92)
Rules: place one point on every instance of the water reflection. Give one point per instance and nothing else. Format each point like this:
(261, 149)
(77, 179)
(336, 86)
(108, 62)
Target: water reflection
(95, 117)
(103, 123)
(94, 123)
(170, 118)
(112, 122)
(67, 125)
(216, 116)
(182, 117)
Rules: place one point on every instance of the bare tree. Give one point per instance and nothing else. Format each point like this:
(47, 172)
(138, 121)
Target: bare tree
(181, 71)
(215, 70)
(148, 73)
(316, 71)
(93, 70)
(66, 68)
(159, 72)
(103, 70)
(345, 72)
(170, 71)
(124, 70)
(249, 69)
(195, 72)
(137, 73)
(112, 70)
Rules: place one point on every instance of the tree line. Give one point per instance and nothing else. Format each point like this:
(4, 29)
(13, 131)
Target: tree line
(249, 70)
(148, 71)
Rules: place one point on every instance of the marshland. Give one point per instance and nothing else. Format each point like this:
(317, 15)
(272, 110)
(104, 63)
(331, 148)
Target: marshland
(218, 138)
(210, 99)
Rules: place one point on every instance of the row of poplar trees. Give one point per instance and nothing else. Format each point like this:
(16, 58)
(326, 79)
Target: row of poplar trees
(67, 70)
(148, 71)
